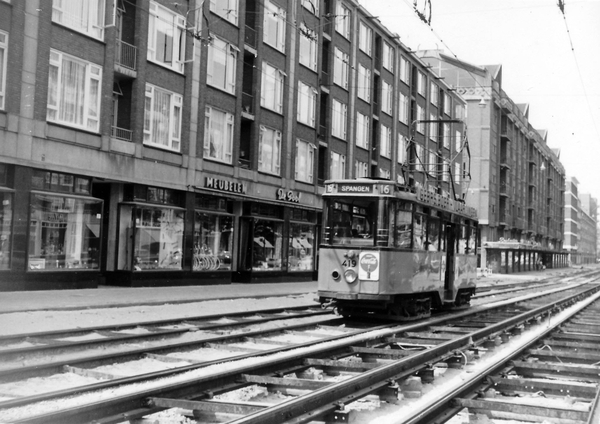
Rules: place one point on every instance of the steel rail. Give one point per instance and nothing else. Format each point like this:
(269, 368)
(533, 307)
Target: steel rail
(200, 386)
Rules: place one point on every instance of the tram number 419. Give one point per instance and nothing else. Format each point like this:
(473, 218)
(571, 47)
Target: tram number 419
(349, 263)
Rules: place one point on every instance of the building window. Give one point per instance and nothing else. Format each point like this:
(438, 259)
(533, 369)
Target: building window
(3, 61)
(364, 83)
(446, 129)
(339, 117)
(456, 172)
(218, 135)
(402, 146)
(385, 144)
(341, 62)
(213, 241)
(301, 247)
(434, 93)
(432, 164)
(221, 67)
(365, 38)
(458, 142)
(308, 47)
(162, 118)
(274, 26)
(338, 166)
(447, 104)
(166, 37)
(404, 70)
(362, 130)
(420, 118)
(342, 20)
(227, 9)
(305, 159)
(433, 128)
(269, 150)
(153, 235)
(64, 232)
(272, 88)
(6, 222)
(421, 83)
(74, 92)
(445, 171)
(384, 173)
(86, 17)
(403, 108)
(388, 57)
(420, 157)
(307, 104)
(361, 169)
(386, 97)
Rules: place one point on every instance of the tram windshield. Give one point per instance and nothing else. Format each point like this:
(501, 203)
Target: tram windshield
(354, 222)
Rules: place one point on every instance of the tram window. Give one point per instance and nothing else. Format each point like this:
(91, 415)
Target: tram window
(403, 228)
(433, 234)
(462, 240)
(419, 231)
(471, 241)
(353, 224)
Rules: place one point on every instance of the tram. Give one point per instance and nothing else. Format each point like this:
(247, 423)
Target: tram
(396, 252)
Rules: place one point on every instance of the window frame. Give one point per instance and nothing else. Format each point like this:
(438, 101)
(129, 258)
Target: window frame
(420, 117)
(178, 44)
(361, 169)
(338, 161)
(403, 108)
(433, 128)
(307, 162)
(176, 103)
(341, 68)
(421, 83)
(308, 47)
(405, 70)
(92, 25)
(274, 103)
(342, 20)
(3, 67)
(339, 119)
(227, 130)
(307, 102)
(434, 93)
(363, 89)
(388, 56)
(363, 126)
(274, 168)
(229, 51)
(226, 13)
(385, 141)
(365, 38)
(387, 92)
(274, 17)
(93, 72)
(311, 5)
(402, 154)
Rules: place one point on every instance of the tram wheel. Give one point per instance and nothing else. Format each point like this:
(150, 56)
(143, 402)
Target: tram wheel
(410, 308)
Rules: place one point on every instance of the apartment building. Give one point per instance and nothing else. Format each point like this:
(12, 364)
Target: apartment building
(518, 182)
(147, 143)
(580, 224)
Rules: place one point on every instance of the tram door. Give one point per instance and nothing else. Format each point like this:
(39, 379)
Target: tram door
(450, 230)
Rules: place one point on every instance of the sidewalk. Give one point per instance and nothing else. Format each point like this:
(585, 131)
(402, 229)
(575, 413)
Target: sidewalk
(108, 296)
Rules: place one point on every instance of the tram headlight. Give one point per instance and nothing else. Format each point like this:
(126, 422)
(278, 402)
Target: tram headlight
(350, 276)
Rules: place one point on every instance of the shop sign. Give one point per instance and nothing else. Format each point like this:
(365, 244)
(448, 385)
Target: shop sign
(288, 196)
(225, 185)
(54, 217)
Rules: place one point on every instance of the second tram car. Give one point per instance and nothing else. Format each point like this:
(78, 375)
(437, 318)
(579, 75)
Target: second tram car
(391, 251)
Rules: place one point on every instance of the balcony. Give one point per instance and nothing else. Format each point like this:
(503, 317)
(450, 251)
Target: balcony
(126, 59)
(121, 133)
(250, 37)
(504, 190)
(247, 105)
(505, 161)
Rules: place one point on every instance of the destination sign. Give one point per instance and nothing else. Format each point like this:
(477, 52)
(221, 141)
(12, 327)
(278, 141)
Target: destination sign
(359, 188)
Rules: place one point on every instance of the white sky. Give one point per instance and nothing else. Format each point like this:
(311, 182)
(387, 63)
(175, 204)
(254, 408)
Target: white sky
(530, 40)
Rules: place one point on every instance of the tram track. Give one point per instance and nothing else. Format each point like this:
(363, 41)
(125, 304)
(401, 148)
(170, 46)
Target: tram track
(366, 348)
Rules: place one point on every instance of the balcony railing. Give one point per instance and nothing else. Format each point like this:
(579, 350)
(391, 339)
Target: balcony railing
(126, 55)
(121, 133)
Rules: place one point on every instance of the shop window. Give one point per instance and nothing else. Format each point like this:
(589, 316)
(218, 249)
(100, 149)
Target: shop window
(6, 218)
(150, 238)
(213, 242)
(267, 245)
(301, 247)
(58, 182)
(64, 233)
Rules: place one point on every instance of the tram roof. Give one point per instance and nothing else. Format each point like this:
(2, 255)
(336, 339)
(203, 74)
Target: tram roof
(388, 188)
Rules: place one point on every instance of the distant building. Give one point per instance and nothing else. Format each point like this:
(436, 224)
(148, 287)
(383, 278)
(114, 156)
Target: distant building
(517, 180)
(581, 223)
(181, 142)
